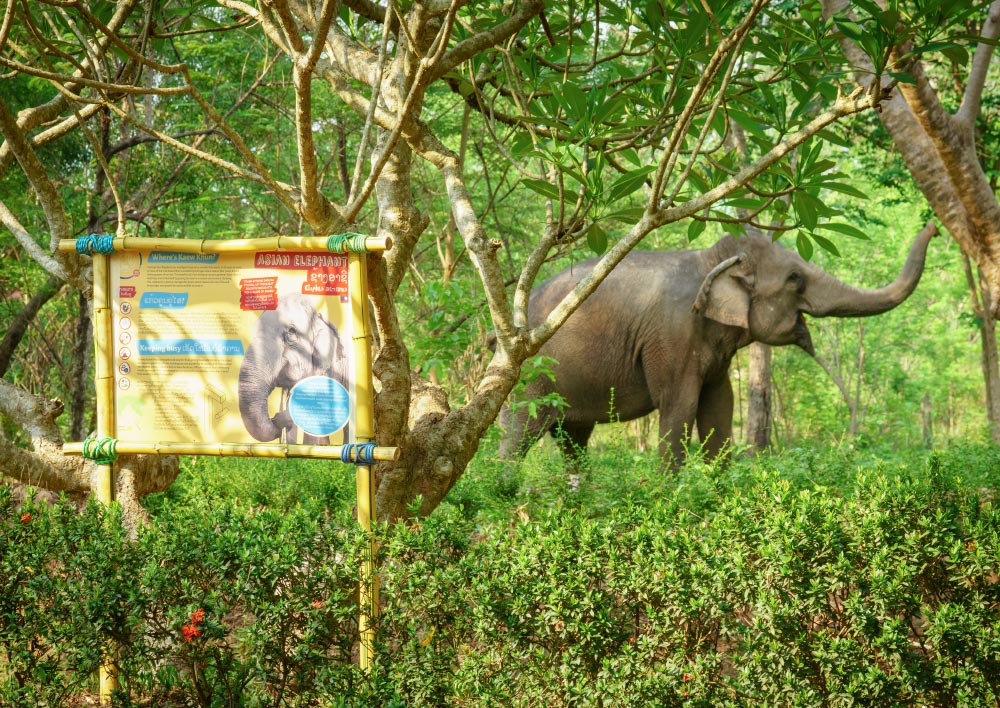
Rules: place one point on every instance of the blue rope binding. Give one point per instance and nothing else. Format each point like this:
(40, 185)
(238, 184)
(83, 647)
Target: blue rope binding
(346, 243)
(95, 243)
(358, 453)
(102, 451)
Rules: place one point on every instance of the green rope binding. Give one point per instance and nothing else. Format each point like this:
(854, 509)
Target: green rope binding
(346, 243)
(102, 451)
(99, 243)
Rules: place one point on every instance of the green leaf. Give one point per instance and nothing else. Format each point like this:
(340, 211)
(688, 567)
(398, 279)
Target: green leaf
(902, 77)
(979, 40)
(574, 100)
(546, 189)
(744, 203)
(849, 28)
(819, 166)
(845, 229)
(629, 182)
(695, 229)
(844, 189)
(833, 137)
(825, 243)
(805, 209)
(522, 145)
(957, 54)
(804, 246)
(597, 239)
(699, 182)
(628, 215)
(632, 156)
(612, 106)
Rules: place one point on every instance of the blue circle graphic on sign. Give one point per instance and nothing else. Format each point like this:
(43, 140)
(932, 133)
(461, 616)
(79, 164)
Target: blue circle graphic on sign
(319, 405)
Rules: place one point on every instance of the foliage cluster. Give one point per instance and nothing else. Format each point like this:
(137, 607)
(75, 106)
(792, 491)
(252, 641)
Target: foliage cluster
(805, 579)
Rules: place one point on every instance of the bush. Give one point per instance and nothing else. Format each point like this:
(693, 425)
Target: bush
(755, 588)
(215, 605)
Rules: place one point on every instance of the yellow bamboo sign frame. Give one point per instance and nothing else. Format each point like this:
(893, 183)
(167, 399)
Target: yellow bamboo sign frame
(363, 452)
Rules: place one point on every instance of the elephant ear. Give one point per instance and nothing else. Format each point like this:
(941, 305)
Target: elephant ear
(724, 295)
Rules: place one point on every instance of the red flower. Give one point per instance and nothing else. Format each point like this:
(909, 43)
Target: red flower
(25, 518)
(197, 616)
(190, 632)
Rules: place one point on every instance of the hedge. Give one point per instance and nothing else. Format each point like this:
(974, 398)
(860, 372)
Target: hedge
(782, 595)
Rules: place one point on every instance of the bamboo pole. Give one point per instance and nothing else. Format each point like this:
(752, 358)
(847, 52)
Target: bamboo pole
(327, 452)
(357, 278)
(102, 483)
(185, 245)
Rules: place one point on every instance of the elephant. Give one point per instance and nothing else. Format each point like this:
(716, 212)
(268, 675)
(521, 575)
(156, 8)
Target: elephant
(289, 343)
(660, 331)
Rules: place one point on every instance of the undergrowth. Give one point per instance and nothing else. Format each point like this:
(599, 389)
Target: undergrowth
(834, 577)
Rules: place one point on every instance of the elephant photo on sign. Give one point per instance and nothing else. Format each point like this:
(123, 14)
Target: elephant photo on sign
(289, 344)
(660, 331)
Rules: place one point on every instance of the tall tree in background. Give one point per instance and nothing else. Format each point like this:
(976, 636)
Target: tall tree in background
(610, 121)
(941, 147)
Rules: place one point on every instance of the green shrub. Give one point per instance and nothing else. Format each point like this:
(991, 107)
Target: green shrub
(751, 585)
(66, 597)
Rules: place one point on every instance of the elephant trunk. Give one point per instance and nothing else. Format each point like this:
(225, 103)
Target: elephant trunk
(828, 297)
(255, 385)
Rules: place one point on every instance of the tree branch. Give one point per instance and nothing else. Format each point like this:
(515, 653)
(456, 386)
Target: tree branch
(468, 48)
(38, 254)
(843, 106)
(19, 324)
(315, 207)
(36, 415)
(46, 192)
(972, 99)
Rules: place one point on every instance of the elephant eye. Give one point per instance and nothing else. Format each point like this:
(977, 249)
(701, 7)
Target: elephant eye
(291, 334)
(796, 280)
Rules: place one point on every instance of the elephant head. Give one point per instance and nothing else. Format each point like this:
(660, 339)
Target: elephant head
(289, 344)
(766, 289)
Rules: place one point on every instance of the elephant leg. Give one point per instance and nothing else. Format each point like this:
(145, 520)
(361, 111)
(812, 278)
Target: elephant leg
(715, 416)
(521, 430)
(572, 439)
(677, 418)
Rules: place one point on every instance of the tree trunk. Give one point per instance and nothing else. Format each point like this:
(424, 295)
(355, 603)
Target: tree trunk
(939, 148)
(851, 394)
(983, 310)
(80, 372)
(855, 402)
(19, 325)
(759, 397)
(926, 413)
(991, 367)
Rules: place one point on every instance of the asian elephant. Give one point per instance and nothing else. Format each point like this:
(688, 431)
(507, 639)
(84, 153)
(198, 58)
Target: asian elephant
(660, 331)
(289, 343)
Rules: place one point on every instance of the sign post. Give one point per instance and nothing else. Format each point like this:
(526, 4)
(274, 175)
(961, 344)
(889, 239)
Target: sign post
(253, 347)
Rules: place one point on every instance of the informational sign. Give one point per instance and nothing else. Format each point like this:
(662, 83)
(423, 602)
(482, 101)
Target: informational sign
(241, 347)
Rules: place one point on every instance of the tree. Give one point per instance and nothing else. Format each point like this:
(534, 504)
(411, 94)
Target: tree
(942, 148)
(609, 120)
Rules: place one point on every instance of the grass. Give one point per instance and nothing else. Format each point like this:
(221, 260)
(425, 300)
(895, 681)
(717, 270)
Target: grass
(494, 491)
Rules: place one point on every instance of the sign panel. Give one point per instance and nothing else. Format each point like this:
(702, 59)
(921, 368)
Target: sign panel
(240, 347)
